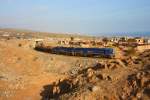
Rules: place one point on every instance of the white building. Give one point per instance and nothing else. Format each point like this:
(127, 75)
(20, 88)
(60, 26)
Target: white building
(147, 41)
(115, 39)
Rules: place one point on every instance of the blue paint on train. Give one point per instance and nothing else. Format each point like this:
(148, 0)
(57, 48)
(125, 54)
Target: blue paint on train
(105, 52)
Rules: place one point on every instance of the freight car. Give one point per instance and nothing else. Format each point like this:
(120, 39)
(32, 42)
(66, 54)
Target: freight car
(86, 52)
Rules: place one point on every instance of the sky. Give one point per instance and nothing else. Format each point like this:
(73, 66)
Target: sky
(76, 16)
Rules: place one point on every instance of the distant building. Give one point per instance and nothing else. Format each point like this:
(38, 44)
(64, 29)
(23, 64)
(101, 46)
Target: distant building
(132, 42)
(139, 40)
(115, 39)
(123, 39)
(147, 41)
(76, 39)
(6, 35)
(142, 48)
(38, 42)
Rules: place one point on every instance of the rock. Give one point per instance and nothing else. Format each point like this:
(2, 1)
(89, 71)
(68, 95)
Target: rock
(138, 76)
(99, 76)
(95, 88)
(99, 66)
(144, 81)
(90, 73)
(75, 81)
(112, 66)
(56, 90)
(133, 98)
(124, 96)
(139, 95)
(74, 71)
(136, 84)
(90, 70)
(108, 78)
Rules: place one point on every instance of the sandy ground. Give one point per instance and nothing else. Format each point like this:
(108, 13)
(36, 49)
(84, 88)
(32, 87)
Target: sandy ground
(26, 74)
(21, 70)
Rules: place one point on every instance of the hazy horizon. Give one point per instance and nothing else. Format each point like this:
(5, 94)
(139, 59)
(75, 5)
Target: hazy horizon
(92, 17)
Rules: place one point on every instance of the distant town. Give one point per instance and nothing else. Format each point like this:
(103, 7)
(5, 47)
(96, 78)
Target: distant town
(74, 41)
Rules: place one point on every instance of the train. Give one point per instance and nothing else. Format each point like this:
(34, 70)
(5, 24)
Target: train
(85, 52)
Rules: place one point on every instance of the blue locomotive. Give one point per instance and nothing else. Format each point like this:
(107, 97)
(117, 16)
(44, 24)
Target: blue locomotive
(86, 52)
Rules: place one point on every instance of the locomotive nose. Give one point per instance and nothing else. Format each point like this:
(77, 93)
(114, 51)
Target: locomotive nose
(113, 51)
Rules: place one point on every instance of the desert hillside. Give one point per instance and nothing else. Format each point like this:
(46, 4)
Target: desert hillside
(27, 74)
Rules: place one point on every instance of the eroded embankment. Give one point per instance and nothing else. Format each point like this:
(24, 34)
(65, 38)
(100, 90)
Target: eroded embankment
(104, 80)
